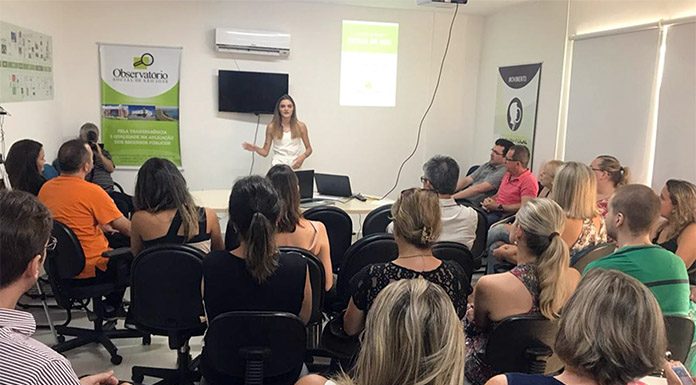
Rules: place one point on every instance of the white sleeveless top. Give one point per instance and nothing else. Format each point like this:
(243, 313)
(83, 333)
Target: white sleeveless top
(286, 150)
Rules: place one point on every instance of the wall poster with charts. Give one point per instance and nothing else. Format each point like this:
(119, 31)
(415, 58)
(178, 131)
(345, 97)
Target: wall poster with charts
(516, 104)
(26, 64)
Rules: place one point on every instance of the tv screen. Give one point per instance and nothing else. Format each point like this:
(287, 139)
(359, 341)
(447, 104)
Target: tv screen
(256, 92)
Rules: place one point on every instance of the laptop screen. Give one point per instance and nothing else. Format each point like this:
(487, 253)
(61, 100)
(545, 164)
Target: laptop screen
(335, 185)
(306, 180)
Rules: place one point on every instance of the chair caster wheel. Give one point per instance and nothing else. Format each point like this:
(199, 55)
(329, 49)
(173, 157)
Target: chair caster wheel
(138, 378)
(116, 359)
(60, 339)
(147, 340)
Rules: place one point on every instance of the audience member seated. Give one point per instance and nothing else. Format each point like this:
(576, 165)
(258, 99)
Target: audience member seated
(24, 165)
(416, 227)
(440, 174)
(610, 175)
(633, 211)
(484, 182)
(166, 212)
(602, 339)
(576, 193)
(546, 175)
(541, 282)
(255, 276)
(88, 211)
(24, 236)
(413, 336)
(293, 230)
(518, 185)
(678, 232)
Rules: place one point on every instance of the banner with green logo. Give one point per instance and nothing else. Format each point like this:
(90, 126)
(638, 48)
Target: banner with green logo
(516, 104)
(140, 103)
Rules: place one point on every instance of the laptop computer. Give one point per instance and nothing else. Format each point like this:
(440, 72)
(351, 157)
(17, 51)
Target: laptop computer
(305, 179)
(336, 187)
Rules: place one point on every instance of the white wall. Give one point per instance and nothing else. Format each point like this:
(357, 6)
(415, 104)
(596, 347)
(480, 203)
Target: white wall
(536, 32)
(366, 143)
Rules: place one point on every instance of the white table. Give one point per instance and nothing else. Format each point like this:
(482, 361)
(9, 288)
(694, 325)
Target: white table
(219, 199)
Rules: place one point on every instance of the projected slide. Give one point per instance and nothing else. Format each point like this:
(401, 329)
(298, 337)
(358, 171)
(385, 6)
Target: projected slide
(368, 63)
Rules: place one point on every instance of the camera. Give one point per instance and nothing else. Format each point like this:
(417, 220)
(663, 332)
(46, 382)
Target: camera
(92, 140)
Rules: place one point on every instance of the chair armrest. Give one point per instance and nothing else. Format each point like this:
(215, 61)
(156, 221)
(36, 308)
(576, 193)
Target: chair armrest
(121, 252)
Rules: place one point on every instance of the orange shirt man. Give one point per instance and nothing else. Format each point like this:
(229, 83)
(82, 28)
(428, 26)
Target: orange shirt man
(83, 206)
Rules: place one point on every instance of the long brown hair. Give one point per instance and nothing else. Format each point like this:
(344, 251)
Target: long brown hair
(276, 122)
(683, 197)
(285, 182)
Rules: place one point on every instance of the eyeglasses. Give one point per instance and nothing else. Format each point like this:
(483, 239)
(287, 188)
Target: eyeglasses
(52, 243)
(511, 160)
(424, 179)
(597, 169)
(496, 152)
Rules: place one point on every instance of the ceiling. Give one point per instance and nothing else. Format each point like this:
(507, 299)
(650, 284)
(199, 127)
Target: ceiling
(476, 7)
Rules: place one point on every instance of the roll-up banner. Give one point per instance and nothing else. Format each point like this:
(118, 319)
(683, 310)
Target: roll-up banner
(516, 105)
(140, 102)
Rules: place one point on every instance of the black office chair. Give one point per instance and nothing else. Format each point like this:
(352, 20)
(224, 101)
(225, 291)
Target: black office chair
(377, 220)
(166, 301)
(680, 334)
(254, 348)
(472, 169)
(584, 257)
(478, 249)
(523, 344)
(458, 253)
(318, 281)
(62, 265)
(339, 227)
(375, 248)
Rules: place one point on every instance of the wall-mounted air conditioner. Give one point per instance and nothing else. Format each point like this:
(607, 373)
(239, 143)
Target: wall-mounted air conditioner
(252, 42)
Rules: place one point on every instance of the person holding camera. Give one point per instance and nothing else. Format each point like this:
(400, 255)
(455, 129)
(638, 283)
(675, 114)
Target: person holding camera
(103, 165)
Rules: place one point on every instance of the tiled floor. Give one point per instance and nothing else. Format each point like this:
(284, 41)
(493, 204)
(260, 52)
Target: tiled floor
(93, 358)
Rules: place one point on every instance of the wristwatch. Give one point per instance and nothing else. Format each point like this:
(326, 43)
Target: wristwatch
(500, 207)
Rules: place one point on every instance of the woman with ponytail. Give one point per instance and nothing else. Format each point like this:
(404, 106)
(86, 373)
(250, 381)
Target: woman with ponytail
(255, 275)
(610, 176)
(541, 282)
(417, 225)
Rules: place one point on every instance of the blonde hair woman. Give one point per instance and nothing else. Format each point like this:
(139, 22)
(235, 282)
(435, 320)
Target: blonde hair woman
(413, 336)
(541, 283)
(611, 332)
(576, 192)
(417, 225)
(610, 175)
(286, 134)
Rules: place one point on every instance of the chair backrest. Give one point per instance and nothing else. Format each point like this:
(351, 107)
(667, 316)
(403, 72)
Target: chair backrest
(166, 289)
(455, 252)
(472, 169)
(584, 257)
(316, 277)
(64, 262)
(680, 334)
(375, 248)
(479, 246)
(377, 220)
(514, 338)
(339, 228)
(271, 342)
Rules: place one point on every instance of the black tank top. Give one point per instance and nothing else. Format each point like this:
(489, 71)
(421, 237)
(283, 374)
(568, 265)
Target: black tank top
(173, 237)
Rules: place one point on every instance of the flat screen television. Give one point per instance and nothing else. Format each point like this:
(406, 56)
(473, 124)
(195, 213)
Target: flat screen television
(256, 92)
